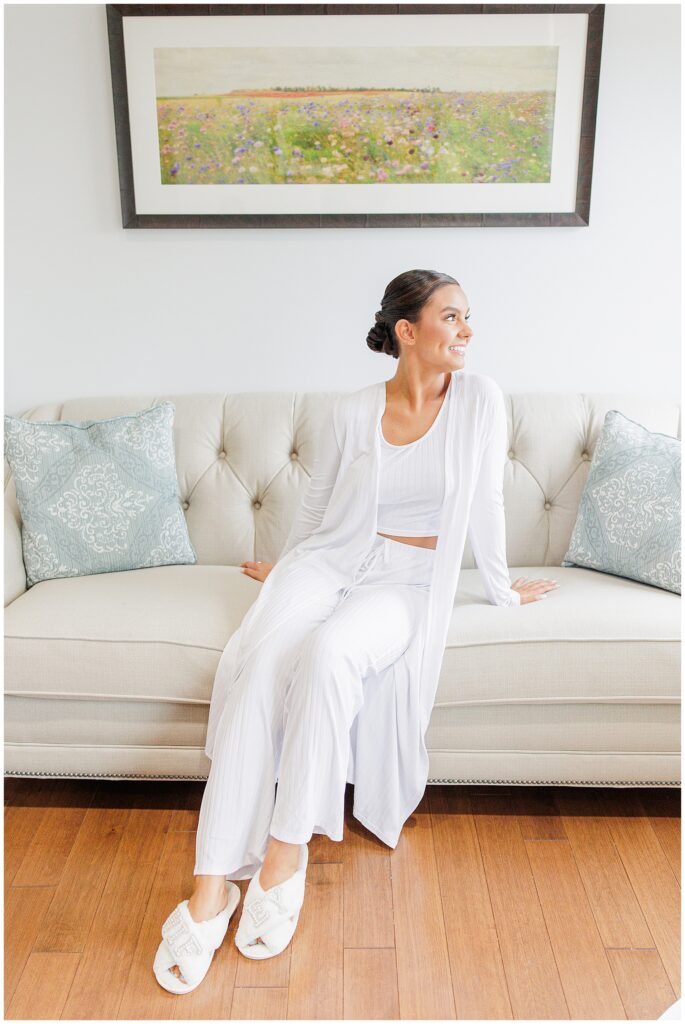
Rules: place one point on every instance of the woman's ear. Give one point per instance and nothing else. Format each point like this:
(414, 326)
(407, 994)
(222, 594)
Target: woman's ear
(405, 332)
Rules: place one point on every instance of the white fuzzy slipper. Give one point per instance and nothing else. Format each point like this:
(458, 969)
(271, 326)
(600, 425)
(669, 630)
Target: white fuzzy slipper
(191, 944)
(272, 914)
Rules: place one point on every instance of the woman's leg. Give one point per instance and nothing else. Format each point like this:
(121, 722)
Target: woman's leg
(370, 627)
(368, 630)
(238, 799)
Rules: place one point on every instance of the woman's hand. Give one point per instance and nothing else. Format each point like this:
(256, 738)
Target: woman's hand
(533, 590)
(257, 570)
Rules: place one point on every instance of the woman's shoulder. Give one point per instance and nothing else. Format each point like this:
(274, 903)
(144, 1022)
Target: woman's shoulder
(353, 406)
(362, 394)
(483, 392)
(348, 402)
(480, 383)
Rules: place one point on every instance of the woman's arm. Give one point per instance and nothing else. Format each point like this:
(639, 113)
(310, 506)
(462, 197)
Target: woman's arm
(324, 474)
(486, 529)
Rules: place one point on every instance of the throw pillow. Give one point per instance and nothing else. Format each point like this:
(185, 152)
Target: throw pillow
(98, 495)
(628, 521)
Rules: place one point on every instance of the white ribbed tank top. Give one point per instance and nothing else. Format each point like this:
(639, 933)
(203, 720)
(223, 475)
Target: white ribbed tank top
(411, 485)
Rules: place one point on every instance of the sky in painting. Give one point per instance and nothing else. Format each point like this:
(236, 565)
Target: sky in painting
(210, 70)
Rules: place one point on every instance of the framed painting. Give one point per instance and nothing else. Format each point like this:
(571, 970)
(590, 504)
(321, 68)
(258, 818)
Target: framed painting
(345, 115)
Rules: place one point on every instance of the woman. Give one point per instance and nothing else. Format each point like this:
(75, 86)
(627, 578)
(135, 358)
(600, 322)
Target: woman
(366, 583)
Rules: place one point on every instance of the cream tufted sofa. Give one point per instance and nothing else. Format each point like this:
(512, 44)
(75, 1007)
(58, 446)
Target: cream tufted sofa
(111, 675)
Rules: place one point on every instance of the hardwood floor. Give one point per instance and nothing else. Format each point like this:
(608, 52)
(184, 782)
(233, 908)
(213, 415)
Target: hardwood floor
(498, 903)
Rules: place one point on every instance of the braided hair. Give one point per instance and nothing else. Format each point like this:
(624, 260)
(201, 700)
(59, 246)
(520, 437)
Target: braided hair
(403, 299)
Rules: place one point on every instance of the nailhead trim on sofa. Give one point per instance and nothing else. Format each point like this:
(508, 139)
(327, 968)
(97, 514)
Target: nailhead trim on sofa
(464, 782)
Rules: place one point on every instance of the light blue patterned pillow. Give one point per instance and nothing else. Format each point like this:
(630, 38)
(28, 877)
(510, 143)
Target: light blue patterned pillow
(628, 521)
(99, 495)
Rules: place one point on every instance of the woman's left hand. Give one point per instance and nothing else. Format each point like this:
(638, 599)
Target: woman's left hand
(257, 570)
(533, 590)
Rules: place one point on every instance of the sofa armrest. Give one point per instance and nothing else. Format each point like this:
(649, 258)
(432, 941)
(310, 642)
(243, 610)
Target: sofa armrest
(15, 571)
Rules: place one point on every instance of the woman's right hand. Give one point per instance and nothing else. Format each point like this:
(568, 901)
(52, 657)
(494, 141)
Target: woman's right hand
(533, 590)
(257, 570)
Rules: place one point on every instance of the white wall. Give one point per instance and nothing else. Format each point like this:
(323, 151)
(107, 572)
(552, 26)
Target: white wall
(93, 309)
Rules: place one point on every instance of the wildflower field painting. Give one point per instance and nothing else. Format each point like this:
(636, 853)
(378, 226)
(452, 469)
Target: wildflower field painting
(221, 110)
(495, 131)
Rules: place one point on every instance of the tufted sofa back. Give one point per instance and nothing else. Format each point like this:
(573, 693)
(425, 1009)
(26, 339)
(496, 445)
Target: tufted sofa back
(243, 462)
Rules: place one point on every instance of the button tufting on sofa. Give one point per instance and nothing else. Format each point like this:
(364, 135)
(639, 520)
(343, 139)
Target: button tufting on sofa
(547, 504)
(511, 454)
(257, 504)
(293, 455)
(186, 504)
(222, 455)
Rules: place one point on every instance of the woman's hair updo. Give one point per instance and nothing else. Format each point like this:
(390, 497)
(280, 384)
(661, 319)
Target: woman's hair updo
(403, 299)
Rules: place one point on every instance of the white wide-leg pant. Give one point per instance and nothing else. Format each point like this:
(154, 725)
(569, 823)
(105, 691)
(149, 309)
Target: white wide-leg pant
(289, 715)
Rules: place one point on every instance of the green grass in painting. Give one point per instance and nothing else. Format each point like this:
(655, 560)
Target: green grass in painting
(355, 137)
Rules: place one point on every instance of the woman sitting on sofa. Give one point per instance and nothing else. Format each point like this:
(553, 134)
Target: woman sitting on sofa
(331, 676)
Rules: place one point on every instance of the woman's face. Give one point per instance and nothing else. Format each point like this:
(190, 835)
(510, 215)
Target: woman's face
(441, 334)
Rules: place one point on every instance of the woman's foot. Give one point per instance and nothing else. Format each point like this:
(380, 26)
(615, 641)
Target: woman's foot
(271, 909)
(209, 898)
(280, 863)
(190, 945)
(203, 905)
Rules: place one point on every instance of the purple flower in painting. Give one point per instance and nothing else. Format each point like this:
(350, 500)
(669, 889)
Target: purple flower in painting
(277, 150)
(198, 145)
(175, 169)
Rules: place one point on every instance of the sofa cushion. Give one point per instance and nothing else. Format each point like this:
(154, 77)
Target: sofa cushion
(97, 496)
(127, 662)
(628, 521)
(154, 633)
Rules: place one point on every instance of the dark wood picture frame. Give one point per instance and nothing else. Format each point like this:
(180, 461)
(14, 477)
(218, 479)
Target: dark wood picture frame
(132, 219)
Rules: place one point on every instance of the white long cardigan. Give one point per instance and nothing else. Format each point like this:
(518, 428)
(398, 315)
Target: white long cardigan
(332, 533)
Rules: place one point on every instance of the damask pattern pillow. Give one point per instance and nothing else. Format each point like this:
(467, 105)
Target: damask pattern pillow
(99, 495)
(628, 521)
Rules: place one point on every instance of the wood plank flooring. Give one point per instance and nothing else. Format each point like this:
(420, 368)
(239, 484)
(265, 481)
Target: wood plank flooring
(499, 903)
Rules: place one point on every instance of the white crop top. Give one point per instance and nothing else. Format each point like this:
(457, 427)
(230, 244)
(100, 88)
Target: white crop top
(411, 485)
